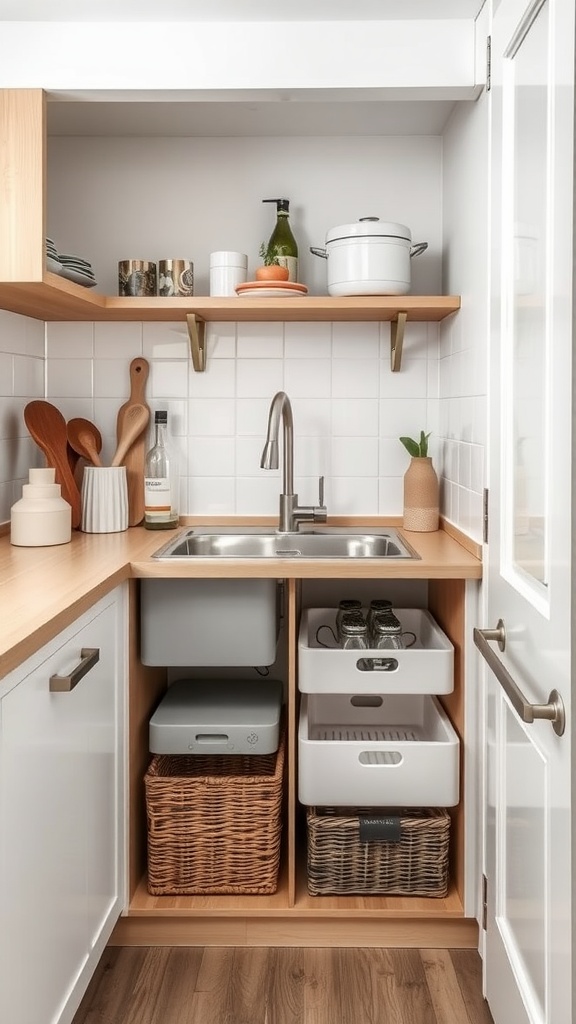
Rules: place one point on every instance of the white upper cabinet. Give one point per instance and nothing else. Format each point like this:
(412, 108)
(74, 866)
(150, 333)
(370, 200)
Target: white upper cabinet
(382, 47)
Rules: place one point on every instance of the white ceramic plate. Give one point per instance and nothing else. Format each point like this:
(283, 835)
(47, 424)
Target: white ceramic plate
(66, 258)
(53, 265)
(73, 275)
(270, 293)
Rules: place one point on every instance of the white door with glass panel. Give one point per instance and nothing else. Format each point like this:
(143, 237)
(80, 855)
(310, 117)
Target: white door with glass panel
(526, 644)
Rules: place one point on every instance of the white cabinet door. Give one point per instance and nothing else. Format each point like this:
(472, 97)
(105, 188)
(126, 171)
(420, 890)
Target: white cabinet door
(61, 811)
(528, 966)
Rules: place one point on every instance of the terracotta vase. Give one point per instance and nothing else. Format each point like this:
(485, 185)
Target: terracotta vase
(421, 496)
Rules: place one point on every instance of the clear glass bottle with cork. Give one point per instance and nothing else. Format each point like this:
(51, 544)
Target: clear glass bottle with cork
(161, 479)
(283, 239)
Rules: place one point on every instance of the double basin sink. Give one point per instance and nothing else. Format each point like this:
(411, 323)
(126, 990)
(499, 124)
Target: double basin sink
(332, 542)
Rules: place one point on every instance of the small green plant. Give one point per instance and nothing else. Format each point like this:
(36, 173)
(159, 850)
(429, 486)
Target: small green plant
(269, 254)
(417, 449)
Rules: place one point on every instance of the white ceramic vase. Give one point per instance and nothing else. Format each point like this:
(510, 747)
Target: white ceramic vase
(104, 499)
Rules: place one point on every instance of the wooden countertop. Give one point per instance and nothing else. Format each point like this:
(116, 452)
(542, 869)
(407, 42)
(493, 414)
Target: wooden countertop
(42, 590)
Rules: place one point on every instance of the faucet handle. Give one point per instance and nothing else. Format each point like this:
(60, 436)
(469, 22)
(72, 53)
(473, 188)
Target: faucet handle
(320, 510)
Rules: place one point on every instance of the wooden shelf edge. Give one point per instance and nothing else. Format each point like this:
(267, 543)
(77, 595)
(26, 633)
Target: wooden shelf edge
(306, 907)
(332, 932)
(55, 298)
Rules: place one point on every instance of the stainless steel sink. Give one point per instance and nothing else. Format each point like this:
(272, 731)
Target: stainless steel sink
(329, 543)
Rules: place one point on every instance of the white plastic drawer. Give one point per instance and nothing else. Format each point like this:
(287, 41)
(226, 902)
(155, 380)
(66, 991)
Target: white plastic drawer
(376, 751)
(426, 667)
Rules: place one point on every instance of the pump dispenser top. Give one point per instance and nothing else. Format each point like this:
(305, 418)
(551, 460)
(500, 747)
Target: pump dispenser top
(283, 238)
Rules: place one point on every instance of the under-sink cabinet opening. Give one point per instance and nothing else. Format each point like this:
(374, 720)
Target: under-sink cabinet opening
(309, 913)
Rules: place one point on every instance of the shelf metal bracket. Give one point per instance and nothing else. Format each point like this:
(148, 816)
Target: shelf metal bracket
(397, 340)
(197, 335)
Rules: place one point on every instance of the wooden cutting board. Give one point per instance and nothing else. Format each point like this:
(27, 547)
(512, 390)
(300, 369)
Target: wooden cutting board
(134, 458)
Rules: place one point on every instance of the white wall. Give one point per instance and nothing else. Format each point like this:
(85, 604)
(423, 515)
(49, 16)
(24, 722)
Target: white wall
(114, 198)
(111, 199)
(463, 366)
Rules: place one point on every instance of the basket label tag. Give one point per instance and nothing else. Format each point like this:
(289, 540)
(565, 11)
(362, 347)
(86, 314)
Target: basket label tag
(386, 827)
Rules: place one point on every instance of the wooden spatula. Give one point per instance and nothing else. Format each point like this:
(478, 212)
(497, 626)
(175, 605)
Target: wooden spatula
(85, 439)
(134, 457)
(47, 427)
(134, 423)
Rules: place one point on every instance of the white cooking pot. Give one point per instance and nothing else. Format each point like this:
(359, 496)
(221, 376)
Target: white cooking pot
(369, 257)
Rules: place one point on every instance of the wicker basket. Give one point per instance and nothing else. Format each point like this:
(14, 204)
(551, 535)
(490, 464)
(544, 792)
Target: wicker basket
(214, 823)
(416, 864)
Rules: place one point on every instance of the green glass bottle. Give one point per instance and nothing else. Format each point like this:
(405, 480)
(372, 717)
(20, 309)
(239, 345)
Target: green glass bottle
(283, 238)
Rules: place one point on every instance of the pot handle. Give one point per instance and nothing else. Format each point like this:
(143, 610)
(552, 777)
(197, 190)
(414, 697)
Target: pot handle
(319, 252)
(418, 249)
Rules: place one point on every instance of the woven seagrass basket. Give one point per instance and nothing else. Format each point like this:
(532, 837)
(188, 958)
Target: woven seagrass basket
(415, 864)
(214, 823)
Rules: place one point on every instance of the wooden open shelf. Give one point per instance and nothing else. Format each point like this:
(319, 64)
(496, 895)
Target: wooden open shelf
(55, 298)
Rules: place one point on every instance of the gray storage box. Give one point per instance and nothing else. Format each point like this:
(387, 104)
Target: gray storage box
(218, 716)
(209, 623)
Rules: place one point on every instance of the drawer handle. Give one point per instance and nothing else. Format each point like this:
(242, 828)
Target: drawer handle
(380, 758)
(63, 684)
(377, 664)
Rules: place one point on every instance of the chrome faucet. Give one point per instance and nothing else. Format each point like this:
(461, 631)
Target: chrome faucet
(291, 514)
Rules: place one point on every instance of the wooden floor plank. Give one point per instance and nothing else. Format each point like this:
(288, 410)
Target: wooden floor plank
(148, 993)
(267, 985)
(178, 985)
(111, 987)
(445, 993)
(407, 989)
(468, 968)
(285, 995)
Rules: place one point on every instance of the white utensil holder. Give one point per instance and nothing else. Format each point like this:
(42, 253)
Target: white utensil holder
(104, 499)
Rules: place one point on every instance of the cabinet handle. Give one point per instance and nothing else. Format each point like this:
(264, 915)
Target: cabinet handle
(63, 684)
(552, 712)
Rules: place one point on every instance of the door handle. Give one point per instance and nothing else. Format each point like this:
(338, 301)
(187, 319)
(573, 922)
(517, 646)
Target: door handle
(63, 684)
(552, 712)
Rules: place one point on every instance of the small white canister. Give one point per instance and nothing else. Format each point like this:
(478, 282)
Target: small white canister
(227, 269)
(41, 518)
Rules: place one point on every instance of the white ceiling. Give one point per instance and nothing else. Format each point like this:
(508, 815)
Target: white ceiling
(235, 10)
(231, 120)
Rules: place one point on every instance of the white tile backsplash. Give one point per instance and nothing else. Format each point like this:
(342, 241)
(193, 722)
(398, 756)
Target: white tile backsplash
(355, 417)
(112, 341)
(355, 340)
(22, 368)
(349, 408)
(352, 378)
(69, 378)
(308, 340)
(259, 341)
(212, 417)
(307, 378)
(259, 378)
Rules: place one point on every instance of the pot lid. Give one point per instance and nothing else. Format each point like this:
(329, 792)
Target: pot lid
(369, 227)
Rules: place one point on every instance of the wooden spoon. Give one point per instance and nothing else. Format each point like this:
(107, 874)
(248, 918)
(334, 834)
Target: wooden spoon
(47, 427)
(135, 422)
(134, 458)
(85, 438)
